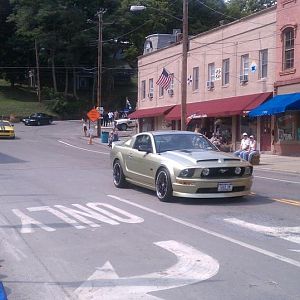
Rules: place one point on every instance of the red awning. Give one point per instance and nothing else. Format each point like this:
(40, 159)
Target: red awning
(150, 112)
(220, 107)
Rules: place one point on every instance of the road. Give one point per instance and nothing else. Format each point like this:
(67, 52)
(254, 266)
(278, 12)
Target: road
(67, 233)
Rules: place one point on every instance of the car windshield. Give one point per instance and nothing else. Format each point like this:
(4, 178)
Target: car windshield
(4, 123)
(169, 142)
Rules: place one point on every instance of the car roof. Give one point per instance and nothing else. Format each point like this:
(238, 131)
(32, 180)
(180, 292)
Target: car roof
(157, 133)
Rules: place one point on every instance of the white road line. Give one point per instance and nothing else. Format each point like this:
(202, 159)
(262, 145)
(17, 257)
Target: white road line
(213, 233)
(275, 179)
(278, 171)
(79, 148)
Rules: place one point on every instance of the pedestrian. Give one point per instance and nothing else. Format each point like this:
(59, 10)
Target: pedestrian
(245, 142)
(113, 136)
(248, 155)
(84, 127)
(91, 133)
(110, 117)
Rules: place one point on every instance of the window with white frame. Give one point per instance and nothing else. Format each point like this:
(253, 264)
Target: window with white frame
(244, 68)
(195, 78)
(263, 63)
(225, 71)
(151, 88)
(171, 86)
(143, 89)
(160, 91)
(211, 72)
(288, 48)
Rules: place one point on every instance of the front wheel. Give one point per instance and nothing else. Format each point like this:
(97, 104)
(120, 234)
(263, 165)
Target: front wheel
(163, 186)
(118, 175)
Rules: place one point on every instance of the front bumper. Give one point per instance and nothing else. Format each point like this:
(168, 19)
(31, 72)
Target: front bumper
(208, 188)
(10, 135)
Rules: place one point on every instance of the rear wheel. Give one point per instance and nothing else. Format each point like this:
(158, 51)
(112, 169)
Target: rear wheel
(163, 185)
(118, 175)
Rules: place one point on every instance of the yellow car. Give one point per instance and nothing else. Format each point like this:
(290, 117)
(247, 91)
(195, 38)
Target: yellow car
(7, 130)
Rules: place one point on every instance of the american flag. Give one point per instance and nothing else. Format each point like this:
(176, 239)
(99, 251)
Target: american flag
(164, 79)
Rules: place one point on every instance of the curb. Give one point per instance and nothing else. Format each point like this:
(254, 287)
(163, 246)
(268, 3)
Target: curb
(2, 292)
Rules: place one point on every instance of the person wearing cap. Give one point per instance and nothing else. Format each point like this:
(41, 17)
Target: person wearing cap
(244, 147)
(252, 149)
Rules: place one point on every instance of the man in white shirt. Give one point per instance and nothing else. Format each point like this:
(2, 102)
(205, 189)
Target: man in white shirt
(244, 147)
(252, 149)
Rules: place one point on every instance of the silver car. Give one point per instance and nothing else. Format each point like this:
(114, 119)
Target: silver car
(179, 163)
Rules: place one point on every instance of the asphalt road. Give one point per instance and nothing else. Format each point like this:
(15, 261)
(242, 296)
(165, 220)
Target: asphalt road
(67, 233)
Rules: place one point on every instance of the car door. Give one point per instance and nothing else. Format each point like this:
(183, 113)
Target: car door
(140, 160)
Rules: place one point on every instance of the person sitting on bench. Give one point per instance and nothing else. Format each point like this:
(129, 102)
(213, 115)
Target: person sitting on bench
(248, 155)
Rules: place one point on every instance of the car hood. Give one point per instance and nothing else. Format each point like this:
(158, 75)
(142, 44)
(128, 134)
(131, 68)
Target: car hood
(6, 127)
(196, 157)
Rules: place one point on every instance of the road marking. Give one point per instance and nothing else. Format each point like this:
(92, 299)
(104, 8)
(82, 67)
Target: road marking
(275, 179)
(84, 149)
(287, 201)
(101, 212)
(291, 234)
(27, 222)
(192, 266)
(213, 233)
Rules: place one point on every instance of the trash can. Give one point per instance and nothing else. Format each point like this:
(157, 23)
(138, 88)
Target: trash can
(104, 137)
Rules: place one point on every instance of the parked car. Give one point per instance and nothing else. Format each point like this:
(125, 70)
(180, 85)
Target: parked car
(123, 124)
(179, 163)
(7, 129)
(38, 119)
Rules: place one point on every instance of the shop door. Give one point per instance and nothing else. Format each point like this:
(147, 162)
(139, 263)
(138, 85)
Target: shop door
(265, 133)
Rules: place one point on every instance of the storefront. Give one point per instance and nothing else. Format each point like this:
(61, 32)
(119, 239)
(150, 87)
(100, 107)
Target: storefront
(285, 131)
(227, 117)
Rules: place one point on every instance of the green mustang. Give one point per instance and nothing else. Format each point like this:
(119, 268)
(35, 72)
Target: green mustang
(179, 163)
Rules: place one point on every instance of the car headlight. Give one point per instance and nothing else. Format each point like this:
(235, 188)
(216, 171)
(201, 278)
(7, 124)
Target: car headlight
(248, 170)
(237, 170)
(186, 173)
(205, 172)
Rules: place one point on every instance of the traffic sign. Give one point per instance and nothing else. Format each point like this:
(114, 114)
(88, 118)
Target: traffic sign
(93, 115)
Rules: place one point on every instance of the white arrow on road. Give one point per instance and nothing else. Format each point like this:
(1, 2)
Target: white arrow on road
(192, 266)
(291, 234)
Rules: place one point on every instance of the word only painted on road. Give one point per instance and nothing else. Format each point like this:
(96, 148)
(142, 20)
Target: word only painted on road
(80, 218)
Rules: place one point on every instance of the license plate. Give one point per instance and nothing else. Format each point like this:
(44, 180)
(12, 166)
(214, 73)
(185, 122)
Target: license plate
(225, 187)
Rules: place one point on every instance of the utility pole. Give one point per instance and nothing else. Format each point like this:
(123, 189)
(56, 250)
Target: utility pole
(37, 71)
(185, 44)
(99, 14)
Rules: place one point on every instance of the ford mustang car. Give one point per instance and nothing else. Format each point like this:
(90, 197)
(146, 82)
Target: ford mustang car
(7, 129)
(179, 163)
(38, 119)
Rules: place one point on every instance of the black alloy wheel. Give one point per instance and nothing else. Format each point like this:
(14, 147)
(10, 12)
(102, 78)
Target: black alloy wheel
(118, 175)
(163, 186)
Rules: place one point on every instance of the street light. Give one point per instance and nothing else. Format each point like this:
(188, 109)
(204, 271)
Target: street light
(185, 42)
(37, 71)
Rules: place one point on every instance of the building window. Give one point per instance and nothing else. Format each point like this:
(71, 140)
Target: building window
(195, 78)
(244, 73)
(143, 89)
(211, 72)
(263, 63)
(150, 88)
(161, 91)
(288, 48)
(225, 73)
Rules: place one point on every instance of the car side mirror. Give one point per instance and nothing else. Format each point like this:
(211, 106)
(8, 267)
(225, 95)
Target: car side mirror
(144, 148)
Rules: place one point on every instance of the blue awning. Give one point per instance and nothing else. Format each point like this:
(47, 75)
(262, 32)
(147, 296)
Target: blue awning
(277, 105)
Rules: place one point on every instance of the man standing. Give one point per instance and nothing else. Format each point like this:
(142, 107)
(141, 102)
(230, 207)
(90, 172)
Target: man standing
(244, 147)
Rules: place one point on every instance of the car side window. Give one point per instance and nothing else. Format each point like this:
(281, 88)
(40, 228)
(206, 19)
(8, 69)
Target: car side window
(144, 141)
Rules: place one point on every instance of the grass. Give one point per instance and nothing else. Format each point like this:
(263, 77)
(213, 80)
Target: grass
(19, 101)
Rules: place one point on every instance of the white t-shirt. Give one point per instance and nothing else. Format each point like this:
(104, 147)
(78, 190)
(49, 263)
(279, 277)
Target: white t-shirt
(245, 144)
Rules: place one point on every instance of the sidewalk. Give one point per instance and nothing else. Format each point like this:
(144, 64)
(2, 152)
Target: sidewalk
(290, 164)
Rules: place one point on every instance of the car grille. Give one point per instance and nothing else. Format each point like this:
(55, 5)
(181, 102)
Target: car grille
(225, 172)
(215, 190)
(5, 131)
